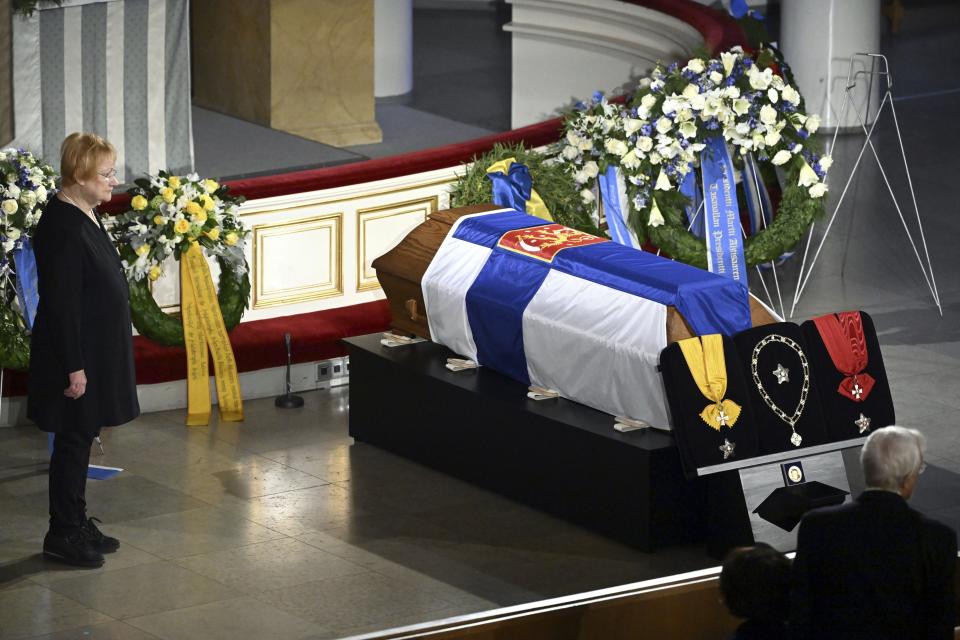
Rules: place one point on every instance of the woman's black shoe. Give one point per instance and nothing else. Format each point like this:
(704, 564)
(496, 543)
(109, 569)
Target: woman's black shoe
(73, 548)
(100, 542)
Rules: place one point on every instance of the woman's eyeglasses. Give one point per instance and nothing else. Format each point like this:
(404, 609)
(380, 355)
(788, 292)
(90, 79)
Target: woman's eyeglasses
(109, 175)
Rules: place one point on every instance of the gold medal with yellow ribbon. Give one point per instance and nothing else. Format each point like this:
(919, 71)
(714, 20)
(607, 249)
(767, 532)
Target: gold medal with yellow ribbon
(705, 359)
(203, 328)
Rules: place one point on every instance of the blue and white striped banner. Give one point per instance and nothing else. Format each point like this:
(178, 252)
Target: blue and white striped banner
(120, 69)
(589, 321)
(613, 192)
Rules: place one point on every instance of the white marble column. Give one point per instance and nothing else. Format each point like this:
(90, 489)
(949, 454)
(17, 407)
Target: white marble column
(393, 47)
(818, 39)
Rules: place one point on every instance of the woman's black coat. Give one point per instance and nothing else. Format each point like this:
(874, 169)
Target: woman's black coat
(83, 322)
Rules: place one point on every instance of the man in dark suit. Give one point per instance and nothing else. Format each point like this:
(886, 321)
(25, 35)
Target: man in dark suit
(875, 568)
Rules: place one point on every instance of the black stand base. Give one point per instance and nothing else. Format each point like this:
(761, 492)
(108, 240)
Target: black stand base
(555, 455)
(288, 401)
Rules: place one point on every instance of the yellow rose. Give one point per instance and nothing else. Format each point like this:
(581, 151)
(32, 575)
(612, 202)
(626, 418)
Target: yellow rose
(210, 185)
(143, 250)
(174, 182)
(158, 219)
(168, 195)
(139, 203)
(181, 226)
(154, 272)
(207, 201)
(201, 217)
(193, 208)
(231, 238)
(214, 233)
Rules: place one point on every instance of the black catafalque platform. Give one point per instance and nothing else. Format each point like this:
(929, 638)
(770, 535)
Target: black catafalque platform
(557, 456)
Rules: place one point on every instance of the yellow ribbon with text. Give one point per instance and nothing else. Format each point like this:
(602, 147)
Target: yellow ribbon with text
(203, 328)
(709, 370)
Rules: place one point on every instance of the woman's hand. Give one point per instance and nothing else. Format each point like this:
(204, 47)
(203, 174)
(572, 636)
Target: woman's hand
(78, 385)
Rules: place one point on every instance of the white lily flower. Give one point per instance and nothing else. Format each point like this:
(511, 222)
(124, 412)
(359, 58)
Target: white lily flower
(772, 95)
(772, 138)
(728, 60)
(817, 190)
(664, 124)
(13, 191)
(741, 106)
(808, 177)
(782, 157)
(688, 130)
(760, 80)
(654, 157)
(656, 218)
(663, 182)
(743, 128)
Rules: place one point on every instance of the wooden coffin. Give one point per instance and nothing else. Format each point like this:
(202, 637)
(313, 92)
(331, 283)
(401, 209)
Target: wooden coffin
(401, 269)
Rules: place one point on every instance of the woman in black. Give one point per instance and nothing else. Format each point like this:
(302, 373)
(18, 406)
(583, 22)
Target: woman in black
(81, 351)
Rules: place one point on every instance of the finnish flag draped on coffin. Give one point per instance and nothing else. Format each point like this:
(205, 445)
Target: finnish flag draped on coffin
(563, 310)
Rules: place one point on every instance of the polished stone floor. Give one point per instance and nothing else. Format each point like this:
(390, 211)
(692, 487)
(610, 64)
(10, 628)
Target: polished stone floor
(282, 527)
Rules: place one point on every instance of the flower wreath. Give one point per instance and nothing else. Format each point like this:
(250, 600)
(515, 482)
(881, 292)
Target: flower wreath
(169, 213)
(656, 140)
(26, 184)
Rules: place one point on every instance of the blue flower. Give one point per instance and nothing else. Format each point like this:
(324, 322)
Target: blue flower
(639, 202)
(579, 105)
(730, 81)
(747, 62)
(597, 96)
(646, 129)
(712, 124)
(673, 67)
(803, 133)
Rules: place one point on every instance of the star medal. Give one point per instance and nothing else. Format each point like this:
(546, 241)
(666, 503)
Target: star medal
(782, 373)
(863, 423)
(727, 448)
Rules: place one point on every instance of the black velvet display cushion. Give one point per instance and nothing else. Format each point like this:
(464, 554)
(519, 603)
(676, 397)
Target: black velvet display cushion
(774, 433)
(840, 412)
(698, 443)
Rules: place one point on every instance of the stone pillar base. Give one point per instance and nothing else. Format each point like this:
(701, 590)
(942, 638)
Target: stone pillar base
(305, 67)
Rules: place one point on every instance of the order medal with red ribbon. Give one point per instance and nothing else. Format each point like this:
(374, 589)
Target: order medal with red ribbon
(546, 241)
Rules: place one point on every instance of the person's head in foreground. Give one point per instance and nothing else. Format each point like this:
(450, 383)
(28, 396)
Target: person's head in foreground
(892, 459)
(755, 583)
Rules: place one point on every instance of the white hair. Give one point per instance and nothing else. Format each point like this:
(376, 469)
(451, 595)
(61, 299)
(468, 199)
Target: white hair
(891, 455)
